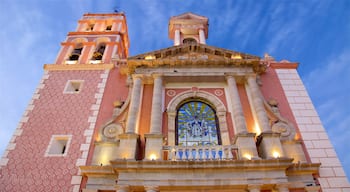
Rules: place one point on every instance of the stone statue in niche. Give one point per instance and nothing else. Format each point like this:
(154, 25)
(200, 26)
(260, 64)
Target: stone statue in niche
(277, 122)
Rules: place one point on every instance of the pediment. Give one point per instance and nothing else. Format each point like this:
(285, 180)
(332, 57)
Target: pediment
(189, 16)
(194, 55)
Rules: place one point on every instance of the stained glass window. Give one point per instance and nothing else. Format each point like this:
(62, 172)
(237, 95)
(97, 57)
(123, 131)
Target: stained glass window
(196, 125)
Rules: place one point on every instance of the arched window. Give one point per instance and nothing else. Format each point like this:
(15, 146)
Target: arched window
(98, 54)
(196, 125)
(189, 41)
(76, 52)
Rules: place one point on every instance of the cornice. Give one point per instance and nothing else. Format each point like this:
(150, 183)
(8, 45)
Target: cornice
(293, 65)
(65, 67)
(194, 55)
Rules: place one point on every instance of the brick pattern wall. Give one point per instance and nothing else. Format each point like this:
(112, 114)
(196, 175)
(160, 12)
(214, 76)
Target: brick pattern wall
(51, 112)
(332, 176)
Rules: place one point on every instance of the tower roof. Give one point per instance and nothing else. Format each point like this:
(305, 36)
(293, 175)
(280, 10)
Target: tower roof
(188, 23)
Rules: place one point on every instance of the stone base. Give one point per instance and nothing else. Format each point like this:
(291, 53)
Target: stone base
(128, 146)
(154, 145)
(294, 149)
(105, 152)
(246, 146)
(269, 145)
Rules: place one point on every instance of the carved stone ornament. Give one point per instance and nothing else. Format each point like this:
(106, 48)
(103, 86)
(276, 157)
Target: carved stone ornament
(283, 128)
(112, 131)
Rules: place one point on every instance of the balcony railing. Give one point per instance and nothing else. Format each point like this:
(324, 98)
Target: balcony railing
(200, 153)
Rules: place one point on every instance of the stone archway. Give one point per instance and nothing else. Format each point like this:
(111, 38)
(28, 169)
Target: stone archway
(216, 103)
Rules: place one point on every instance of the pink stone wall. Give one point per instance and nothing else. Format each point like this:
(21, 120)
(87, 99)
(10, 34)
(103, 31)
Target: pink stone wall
(54, 113)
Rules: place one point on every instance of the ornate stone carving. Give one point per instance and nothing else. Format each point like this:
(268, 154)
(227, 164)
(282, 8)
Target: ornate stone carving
(277, 122)
(112, 131)
(283, 128)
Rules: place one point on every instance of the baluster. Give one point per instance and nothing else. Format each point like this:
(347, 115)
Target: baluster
(186, 153)
(177, 152)
(230, 153)
(223, 153)
(172, 153)
(194, 154)
(216, 156)
(211, 155)
(200, 153)
(190, 155)
(220, 152)
(207, 153)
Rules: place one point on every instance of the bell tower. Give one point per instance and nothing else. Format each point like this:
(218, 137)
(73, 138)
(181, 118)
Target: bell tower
(188, 28)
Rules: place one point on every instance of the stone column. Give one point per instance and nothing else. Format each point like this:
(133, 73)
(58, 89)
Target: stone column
(122, 188)
(151, 188)
(201, 36)
(134, 105)
(128, 141)
(156, 113)
(269, 142)
(245, 141)
(238, 116)
(258, 104)
(254, 188)
(177, 37)
(282, 187)
(154, 140)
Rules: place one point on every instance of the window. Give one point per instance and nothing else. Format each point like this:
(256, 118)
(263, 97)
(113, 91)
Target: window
(109, 28)
(90, 27)
(98, 54)
(58, 145)
(74, 56)
(196, 125)
(73, 86)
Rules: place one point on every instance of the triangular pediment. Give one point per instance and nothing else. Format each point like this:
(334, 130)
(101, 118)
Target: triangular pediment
(189, 15)
(194, 55)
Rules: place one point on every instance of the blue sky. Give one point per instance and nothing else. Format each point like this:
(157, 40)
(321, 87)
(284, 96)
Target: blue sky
(314, 33)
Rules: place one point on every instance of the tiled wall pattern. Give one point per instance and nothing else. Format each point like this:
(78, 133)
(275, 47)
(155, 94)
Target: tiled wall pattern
(332, 176)
(55, 113)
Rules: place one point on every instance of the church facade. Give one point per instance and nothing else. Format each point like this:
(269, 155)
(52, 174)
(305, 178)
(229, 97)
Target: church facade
(190, 117)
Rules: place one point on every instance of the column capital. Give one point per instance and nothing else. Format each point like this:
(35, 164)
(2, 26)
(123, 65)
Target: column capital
(137, 76)
(122, 188)
(283, 187)
(151, 188)
(157, 75)
(229, 76)
(254, 187)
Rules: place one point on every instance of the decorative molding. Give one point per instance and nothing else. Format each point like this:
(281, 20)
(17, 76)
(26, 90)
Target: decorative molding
(64, 67)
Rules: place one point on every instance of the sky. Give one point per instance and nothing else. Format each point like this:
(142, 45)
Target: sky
(314, 33)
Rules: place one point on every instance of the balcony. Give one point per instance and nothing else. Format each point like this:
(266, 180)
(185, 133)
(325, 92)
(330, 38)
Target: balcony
(200, 153)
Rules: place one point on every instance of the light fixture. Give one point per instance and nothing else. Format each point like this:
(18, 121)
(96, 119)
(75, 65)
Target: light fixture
(152, 157)
(236, 56)
(276, 154)
(247, 156)
(150, 57)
